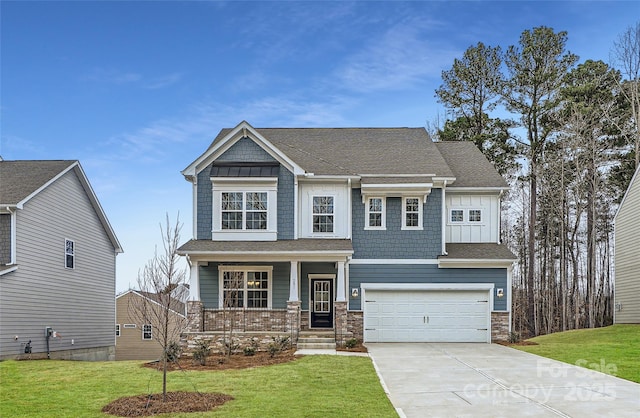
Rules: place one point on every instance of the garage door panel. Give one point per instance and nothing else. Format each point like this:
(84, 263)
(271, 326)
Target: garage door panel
(426, 316)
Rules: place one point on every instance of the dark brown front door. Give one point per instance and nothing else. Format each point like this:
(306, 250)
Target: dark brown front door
(321, 303)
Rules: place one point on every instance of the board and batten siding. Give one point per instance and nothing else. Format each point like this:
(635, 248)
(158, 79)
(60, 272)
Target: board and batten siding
(487, 230)
(77, 303)
(627, 257)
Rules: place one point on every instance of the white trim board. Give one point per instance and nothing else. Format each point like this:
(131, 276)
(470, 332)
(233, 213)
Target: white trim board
(393, 261)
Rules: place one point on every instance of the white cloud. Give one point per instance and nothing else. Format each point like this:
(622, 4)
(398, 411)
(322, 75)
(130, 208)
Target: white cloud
(402, 57)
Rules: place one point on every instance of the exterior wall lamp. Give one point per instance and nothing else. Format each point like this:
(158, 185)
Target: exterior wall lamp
(499, 292)
(354, 292)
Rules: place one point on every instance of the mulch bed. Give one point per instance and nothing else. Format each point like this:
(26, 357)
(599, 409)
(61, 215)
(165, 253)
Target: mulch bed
(147, 405)
(359, 348)
(508, 344)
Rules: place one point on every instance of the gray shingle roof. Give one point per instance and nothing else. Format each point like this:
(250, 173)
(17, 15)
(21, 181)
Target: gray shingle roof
(304, 245)
(355, 151)
(470, 167)
(18, 179)
(480, 251)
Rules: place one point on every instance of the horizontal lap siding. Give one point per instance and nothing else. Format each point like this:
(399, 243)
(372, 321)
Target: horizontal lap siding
(424, 273)
(77, 303)
(627, 257)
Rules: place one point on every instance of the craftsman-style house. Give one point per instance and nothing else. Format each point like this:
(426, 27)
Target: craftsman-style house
(376, 233)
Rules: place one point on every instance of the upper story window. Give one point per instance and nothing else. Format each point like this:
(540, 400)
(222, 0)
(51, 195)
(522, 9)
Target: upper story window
(465, 216)
(244, 210)
(475, 215)
(323, 215)
(375, 216)
(245, 287)
(457, 215)
(69, 254)
(412, 213)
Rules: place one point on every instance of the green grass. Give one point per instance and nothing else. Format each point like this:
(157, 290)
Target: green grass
(312, 386)
(614, 350)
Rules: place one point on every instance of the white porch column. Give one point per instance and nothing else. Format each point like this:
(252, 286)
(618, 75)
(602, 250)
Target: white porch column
(293, 282)
(194, 282)
(341, 285)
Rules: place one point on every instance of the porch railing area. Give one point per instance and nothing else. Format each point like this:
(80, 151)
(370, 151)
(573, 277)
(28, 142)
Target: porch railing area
(245, 320)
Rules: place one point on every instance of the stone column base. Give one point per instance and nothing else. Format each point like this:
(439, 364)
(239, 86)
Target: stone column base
(293, 320)
(194, 316)
(341, 323)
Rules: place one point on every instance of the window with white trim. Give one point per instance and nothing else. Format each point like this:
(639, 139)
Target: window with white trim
(375, 213)
(146, 332)
(323, 214)
(475, 215)
(117, 330)
(411, 213)
(69, 254)
(244, 210)
(457, 216)
(245, 287)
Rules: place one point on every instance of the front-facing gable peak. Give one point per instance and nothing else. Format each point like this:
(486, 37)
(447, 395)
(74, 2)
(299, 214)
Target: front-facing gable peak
(227, 138)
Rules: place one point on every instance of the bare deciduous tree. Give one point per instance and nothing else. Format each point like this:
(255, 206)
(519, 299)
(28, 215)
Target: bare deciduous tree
(160, 282)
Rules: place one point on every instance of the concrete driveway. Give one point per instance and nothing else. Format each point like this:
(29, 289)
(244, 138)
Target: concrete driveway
(490, 380)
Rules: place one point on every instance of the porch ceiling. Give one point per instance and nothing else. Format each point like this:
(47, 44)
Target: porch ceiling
(300, 249)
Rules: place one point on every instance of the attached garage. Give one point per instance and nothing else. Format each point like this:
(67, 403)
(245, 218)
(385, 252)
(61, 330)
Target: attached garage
(427, 312)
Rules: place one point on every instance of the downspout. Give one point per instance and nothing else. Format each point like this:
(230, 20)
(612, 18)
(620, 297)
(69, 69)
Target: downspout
(295, 207)
(13, 214)
(444, 218)
(349, 218)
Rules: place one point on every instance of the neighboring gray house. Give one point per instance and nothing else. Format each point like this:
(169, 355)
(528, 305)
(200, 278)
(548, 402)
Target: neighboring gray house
(627, 258)
(57, 263)
(376, 233)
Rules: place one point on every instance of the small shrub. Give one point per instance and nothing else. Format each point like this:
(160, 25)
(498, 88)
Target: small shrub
(203, 349)
(279, 344)
(514, 337)
(173, 351)
(351, 343)
(249, 351)
(273, 349)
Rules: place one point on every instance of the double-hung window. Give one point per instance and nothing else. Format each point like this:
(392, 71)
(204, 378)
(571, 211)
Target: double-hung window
(411, 213)
(245, 287)
(375, 216)
(323, 214)
(146, 332)
(69, 254)
(244, 210)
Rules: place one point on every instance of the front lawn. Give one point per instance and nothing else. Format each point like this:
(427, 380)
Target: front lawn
(614, 350)
(311, 386)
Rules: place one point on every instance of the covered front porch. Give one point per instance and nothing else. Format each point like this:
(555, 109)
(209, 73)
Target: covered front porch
(279, 288)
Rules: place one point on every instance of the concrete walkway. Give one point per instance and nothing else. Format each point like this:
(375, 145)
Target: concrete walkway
(490, 380)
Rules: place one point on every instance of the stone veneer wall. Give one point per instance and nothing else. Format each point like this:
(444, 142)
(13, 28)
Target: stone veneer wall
(272, 320)
(355, 322)
(499, 326)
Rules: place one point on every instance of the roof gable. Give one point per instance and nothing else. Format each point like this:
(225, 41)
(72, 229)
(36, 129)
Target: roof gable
(21, 180)
(470, 167)
(635, 182)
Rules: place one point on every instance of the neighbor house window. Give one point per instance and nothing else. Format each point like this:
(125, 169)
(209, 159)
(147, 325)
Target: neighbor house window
(411, 213)
(244, 210)
(375, 213)
(475, 215)
(245, 287)
(69, 254)
(146, 332)
(117, 330)
(457, 215)
(323, 214)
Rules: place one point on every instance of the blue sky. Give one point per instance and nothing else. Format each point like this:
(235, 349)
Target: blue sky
(137, 90)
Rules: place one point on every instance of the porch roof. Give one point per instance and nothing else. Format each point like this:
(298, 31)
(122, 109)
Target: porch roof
(489, 254)
(289, 249)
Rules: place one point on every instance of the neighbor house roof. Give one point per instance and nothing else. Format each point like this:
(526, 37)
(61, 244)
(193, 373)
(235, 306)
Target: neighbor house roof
(175, 305)
(356, 151)
(470, 167)
(21, 180)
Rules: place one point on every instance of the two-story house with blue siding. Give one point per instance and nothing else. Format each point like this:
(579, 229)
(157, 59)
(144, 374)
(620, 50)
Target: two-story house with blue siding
(376, 233)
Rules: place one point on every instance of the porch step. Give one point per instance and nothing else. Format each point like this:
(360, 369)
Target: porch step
(322, 340)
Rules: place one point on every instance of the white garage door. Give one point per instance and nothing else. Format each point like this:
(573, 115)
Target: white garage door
(427, 316)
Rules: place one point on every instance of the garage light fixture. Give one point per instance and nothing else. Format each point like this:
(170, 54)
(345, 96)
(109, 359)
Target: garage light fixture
(354, 292)
(499, 292)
